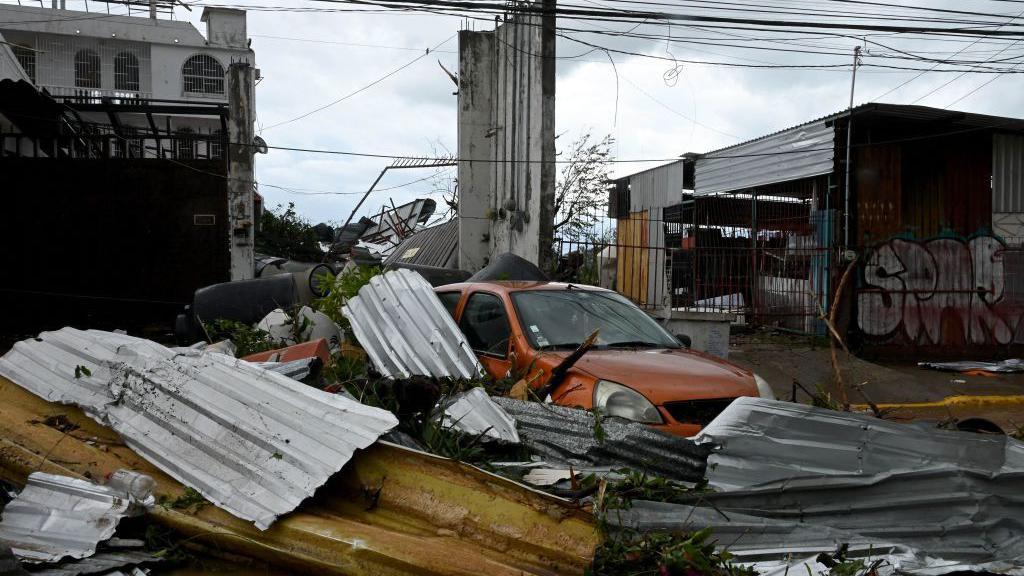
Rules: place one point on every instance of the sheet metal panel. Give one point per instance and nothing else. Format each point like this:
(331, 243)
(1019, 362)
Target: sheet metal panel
(799, 152)
(473, 412)
(405, 329)
(656, 188)
(566, 436)
(252, 441)
(759, 440)
(57, 517)
(434, 246)
(102, 563)
(1007, 173)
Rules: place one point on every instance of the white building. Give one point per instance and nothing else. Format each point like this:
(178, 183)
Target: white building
(148, 91)
(91, 56)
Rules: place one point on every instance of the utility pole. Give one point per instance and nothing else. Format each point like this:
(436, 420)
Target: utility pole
(849, 140)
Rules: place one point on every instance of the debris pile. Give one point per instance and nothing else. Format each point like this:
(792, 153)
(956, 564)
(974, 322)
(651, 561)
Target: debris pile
(386, 448)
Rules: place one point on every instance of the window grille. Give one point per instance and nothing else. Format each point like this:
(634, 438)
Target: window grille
(185, 144)
(27, 58)
(126, 72)
(87, 69)
(214, 147)
(203, 74)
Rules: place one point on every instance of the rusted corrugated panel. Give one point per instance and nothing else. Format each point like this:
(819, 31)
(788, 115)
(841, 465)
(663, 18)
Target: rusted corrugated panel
(1007, 173)
(792, 154)
(656, 188)
(406, 330)
(389, 511)
(58, 517)
(252, 441)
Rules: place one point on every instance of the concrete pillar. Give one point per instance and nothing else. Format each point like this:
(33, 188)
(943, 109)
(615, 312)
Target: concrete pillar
(476, 130)
(507, 139)
(548, 168)
(241, 178)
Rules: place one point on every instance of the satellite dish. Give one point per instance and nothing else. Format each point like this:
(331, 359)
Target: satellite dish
(260, 144)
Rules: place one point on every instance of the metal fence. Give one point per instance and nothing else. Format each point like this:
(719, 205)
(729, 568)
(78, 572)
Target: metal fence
(766, 260)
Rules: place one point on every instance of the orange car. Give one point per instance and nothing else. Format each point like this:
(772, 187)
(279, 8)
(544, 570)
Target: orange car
(636, 370)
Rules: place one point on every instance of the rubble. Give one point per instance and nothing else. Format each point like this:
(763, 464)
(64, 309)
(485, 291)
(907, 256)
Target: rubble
(57, 517)
(570, 436)
(1003, 366)
(758, 440)
(406, 330)
(252, 441)
(473, 412)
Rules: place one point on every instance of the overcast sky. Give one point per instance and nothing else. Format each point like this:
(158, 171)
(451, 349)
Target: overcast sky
(310, 59)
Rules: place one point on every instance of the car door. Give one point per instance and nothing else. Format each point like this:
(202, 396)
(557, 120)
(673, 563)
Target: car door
(485, 323)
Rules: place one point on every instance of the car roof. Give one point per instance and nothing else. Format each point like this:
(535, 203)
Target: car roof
(509, 286)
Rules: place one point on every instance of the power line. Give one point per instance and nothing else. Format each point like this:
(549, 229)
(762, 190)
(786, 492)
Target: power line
(361, 89)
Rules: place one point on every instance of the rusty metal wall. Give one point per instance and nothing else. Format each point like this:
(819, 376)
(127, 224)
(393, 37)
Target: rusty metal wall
(1007, 173)
(942, 295)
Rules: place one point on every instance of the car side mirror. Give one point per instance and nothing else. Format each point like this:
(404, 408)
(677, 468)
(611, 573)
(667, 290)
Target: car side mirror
(684, 339)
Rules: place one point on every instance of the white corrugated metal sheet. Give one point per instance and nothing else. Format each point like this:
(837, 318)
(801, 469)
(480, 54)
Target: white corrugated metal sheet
(252, 441)
(57, 517)
(406, 330)
(799, 152)
(759, 440)
(1007, 173)
(473, 412)
(656, 188)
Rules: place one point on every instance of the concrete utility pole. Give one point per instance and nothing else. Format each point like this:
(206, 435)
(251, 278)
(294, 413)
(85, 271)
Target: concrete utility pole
(241, 225)
(849, 140)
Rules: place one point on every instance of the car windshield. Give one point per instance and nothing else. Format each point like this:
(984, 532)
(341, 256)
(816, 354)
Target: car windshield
(564, 318)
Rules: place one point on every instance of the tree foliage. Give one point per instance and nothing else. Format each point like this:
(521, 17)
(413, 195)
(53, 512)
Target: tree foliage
(581, 193)
(285, 234)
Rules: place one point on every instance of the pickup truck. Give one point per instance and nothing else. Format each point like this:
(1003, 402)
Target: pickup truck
(636, 370)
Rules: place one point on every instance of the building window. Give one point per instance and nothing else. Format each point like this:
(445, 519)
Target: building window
(214, 146)
(185, 144)
(126, 72)
(203, 74)
(27, 58)
(87, 69)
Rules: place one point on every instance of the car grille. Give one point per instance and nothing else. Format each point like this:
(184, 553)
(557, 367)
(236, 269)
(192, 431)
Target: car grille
(697, 411)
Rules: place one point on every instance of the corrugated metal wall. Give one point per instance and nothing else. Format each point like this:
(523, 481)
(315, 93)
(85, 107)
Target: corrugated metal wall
(656, 188)
(1007, 173)
(796, 153)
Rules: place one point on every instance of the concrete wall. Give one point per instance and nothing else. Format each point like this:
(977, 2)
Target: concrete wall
(506, 140)
(475, 127)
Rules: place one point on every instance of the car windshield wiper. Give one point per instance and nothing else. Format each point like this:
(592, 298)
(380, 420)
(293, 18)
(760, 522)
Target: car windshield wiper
(635, 344)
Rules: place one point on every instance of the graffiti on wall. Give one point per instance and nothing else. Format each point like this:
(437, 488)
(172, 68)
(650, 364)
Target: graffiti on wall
(937, 292)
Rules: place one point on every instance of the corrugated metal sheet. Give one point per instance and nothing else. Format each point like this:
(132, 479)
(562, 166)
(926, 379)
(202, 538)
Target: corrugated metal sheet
(102, 563)
(57, 517)
(473, 412)
(656, 188)
(799, 152)
(405, 329)
(759, 440)
(566, 436)
(939, 520)
(1007, 173)
(253, 442)
(434, 246)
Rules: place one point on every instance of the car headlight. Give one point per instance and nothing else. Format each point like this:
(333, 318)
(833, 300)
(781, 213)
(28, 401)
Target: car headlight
(763, 389)
(617, 400)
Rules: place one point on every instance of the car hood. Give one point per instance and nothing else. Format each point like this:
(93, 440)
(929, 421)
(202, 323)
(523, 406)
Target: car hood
(666, 375)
